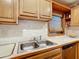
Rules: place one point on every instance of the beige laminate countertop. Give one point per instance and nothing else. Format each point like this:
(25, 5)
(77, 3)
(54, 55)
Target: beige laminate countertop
(60, 40)
(63, 40)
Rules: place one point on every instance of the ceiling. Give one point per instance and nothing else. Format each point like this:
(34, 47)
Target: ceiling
(70, 3)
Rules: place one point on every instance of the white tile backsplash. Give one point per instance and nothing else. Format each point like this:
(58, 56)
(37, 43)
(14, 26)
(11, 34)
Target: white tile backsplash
(25, 30)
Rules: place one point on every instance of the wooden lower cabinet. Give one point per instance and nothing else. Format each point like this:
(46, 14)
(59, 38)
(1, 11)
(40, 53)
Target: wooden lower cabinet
(70, 51)
(57, 57)
(78, 51)
(53, 54)
(47, 57)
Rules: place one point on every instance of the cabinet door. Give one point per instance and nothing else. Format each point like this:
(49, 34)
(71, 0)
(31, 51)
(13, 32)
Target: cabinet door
(57, 57)
(28, 8)
(77, 51)
(45, 9)
(48, 55)
(74, 16)
(69, 53)
(7, 11)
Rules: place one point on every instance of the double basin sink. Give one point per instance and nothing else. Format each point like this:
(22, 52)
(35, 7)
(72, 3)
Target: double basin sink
(30, 46)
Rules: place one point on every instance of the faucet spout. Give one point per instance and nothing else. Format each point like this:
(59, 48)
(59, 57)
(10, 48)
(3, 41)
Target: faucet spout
(35, 45)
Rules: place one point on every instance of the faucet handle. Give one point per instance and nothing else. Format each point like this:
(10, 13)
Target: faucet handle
(40, 37)
(34, 38)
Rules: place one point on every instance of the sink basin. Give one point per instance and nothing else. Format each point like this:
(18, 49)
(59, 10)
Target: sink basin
(30, 46)
(46, 43)
(6, 50)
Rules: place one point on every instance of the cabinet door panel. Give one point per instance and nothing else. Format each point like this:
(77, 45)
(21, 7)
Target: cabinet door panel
(74, 16)
(6, 8)
(47, 55)
(28, 7)
(77, 51)
(8, 11)
(35, 9)
(57, 57)
(45, 8)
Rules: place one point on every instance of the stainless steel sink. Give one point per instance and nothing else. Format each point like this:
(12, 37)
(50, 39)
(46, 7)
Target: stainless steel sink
(34, 45)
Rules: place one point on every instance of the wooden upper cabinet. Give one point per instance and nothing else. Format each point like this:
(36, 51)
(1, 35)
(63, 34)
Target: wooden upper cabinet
(28, 8)
(74, 16)
(35, 9)
(45, 9)
(8, 11)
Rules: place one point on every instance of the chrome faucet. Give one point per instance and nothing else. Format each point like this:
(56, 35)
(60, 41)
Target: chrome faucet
(35, 43)
(40, 37)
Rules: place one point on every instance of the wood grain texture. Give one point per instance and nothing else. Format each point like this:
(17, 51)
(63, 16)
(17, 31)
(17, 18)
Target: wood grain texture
(29, 8)
(45, 9)
(60, 7)
(70, 53)
(8, 11)
(77, 51)
(53, 54)
(74, 16)
(36, 9)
